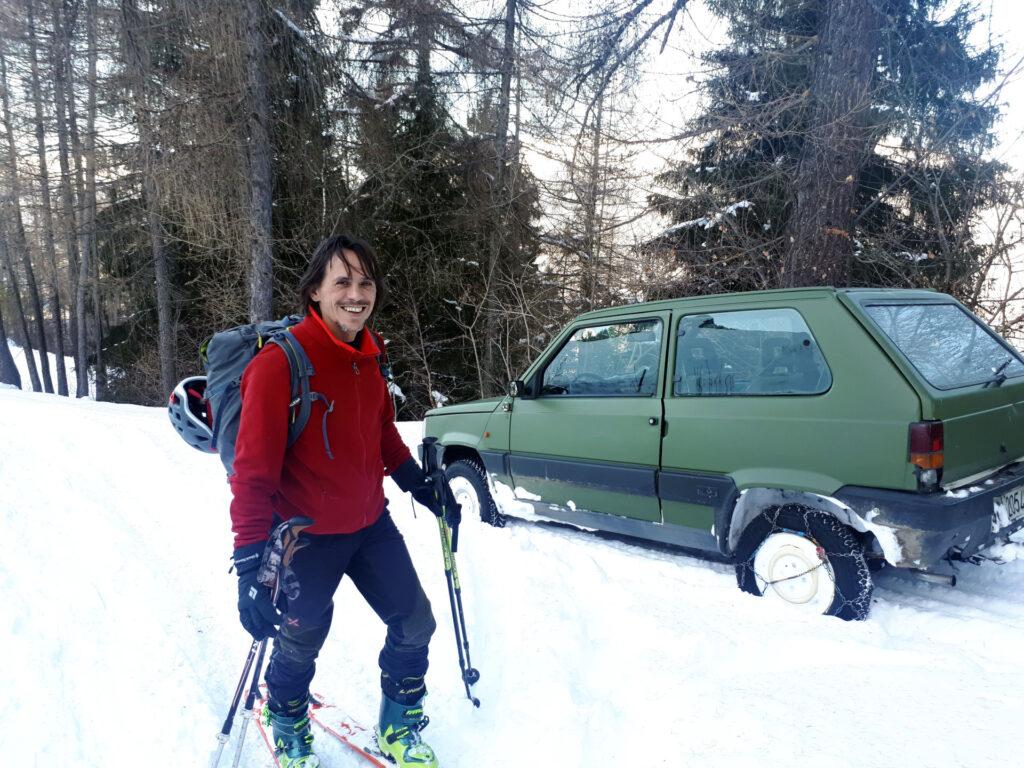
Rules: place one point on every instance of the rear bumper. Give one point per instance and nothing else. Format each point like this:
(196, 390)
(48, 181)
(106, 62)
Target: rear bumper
(935, 526)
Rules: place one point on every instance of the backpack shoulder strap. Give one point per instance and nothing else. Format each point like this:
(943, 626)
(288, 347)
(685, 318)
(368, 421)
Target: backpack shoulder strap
(302, 397)
(382, 357)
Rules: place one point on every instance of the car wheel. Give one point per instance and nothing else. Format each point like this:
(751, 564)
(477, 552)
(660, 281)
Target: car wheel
(468, 482)
(807, 560)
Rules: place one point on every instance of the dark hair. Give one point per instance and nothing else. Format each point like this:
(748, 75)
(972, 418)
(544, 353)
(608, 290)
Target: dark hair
(327, 250)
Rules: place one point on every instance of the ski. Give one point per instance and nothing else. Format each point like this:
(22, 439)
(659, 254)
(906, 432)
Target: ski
(348, 731)
(357, 739)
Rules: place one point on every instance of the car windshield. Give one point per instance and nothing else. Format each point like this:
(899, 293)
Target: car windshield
(947, 346)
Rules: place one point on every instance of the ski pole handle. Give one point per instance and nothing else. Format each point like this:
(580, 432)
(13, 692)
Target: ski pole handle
(431, 453)
(429, 458)
(281, 548)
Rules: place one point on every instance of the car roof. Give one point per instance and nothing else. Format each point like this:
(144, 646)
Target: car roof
(775, 294)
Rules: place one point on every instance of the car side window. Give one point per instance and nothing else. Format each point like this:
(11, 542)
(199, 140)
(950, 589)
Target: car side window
(619, 359)
(748, 352)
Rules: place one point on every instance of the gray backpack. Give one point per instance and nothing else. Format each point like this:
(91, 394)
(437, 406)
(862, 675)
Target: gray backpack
(225, 356)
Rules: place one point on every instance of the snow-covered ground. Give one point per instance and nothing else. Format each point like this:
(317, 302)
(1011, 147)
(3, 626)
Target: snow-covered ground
(120, 642)
(18, 353)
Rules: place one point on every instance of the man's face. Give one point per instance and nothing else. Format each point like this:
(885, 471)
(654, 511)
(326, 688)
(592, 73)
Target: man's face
(346, 296)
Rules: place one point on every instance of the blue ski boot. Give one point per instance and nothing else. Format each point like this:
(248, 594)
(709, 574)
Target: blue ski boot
(293, 737)
(398, 734)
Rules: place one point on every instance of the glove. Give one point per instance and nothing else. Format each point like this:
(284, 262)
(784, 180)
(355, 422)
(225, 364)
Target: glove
(426, 495)
(411, 478)
(256, 608)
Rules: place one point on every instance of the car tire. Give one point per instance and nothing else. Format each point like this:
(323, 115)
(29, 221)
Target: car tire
(805, 559)
(468, 482)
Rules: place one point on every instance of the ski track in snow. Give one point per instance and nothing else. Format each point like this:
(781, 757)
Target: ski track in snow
(122, 646)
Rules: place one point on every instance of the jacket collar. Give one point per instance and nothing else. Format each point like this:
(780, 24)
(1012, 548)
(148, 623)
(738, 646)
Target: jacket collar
(367, 342)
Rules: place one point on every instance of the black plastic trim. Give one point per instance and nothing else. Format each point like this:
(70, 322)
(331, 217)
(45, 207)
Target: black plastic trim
(617, 478)
(666, 533)
(495, 462)
(940, 522)
(716, 491)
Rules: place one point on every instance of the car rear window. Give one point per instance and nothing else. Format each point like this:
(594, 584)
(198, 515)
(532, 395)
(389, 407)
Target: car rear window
(948, 347)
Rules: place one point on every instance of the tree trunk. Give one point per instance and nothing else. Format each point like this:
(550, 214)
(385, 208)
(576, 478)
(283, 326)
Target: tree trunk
(59, 54)
(83, 207)
(818, 235)
(591, 224)
(90, 192)
(44, 188)
(30, 361)
(21, 243)
(8, 370)
(499, 203)
(261, 275)
(505, 92)
(135, 44)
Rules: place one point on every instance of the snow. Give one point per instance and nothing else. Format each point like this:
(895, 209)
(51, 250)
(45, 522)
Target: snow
(884, 535)
(731, 209)
(396, 391)
(122, 646)
(522, 493)
(707, 222)
(290, 24)
(26, 383)
(916, 257)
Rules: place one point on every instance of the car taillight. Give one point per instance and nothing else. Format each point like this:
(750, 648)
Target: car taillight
(926, 452)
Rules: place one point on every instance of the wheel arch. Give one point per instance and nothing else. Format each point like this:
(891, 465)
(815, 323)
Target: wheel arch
(456, 452)
(878, 539)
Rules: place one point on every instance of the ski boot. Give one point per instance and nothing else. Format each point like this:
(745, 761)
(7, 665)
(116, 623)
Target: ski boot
(398, 734)
(293, 736)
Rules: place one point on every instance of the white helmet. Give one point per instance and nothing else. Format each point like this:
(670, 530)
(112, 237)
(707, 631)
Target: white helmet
(190, 413)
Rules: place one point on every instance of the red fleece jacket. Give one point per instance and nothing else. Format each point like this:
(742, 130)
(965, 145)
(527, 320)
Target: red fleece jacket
(341, 495)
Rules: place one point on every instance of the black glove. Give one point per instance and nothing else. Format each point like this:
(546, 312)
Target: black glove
(411, 478)
(408, 475)
(427, 495)
(256, 608)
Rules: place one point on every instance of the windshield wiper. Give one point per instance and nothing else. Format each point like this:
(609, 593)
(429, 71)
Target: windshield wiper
(998, 377)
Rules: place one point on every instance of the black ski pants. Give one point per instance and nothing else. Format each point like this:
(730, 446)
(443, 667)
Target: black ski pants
(377, 561)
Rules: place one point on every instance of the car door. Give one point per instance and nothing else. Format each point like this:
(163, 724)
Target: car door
(750, 392)
(591, 437)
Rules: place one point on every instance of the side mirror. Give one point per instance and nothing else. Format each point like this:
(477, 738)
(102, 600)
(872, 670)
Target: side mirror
(518, 388)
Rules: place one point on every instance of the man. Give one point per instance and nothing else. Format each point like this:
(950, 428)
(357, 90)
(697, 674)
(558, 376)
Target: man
(333, 473)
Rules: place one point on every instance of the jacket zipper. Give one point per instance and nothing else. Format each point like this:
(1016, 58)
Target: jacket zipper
(362, 440)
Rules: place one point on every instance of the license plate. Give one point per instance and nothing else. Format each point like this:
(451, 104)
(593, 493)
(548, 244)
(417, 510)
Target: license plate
(1007, 508)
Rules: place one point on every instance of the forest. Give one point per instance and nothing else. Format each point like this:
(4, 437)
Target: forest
(168, 167)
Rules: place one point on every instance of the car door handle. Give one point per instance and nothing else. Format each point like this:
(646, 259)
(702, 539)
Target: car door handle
(653, 421)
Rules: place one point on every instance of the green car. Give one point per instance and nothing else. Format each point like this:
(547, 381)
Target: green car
(809, 436)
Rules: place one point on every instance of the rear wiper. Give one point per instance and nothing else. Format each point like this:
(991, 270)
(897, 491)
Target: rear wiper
(998, 377)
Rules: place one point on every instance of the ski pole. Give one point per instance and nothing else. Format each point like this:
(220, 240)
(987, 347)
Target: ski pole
(431, 464)
(469, 674)
(254, 688)
(225, 731)
(281, 547)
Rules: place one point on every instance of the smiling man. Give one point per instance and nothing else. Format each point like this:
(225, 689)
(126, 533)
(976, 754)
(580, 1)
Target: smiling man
(333, 474)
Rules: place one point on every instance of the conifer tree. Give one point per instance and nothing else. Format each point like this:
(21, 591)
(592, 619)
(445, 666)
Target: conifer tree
(916, 170)
(426, 198)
